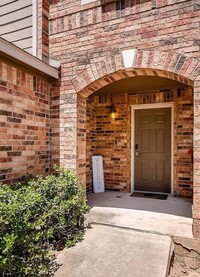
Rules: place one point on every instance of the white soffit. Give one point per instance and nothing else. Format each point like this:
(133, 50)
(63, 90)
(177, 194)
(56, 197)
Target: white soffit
(128, 57)
(24, 57)
(84, 2)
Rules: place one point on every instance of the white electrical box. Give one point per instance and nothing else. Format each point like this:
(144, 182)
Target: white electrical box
(98, 174)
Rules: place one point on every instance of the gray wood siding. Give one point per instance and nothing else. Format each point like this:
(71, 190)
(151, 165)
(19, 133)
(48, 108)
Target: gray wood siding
(16, 22)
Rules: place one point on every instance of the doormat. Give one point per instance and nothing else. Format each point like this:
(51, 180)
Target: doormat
(149, 195)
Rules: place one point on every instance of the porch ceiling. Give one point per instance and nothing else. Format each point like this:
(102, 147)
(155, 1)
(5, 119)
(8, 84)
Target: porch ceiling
(138, 84)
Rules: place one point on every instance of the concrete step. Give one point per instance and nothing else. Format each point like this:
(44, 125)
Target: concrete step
(145, 221)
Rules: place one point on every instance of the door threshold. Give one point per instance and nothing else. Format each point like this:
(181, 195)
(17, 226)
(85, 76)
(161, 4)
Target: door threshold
(155, 192)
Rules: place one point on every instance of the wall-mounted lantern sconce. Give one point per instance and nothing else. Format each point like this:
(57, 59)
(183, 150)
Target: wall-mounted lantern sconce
(113, 112)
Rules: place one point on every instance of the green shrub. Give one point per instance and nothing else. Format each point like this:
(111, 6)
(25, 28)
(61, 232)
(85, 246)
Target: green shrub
(47, 213)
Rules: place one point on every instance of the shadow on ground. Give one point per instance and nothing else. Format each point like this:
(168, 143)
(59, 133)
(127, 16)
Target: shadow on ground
(114, 199)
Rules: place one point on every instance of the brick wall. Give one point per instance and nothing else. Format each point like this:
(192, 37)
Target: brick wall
(88, 41)
(95, 31)
(91, 36)
(24, 122)
(112, 138)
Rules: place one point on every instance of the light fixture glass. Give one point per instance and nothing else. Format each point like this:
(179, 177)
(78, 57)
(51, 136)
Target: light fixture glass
(113, 112)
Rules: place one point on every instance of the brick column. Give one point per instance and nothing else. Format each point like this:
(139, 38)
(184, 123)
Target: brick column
(73, 133)
(68, 128)
(81, 140)
(43, 30)
(55, 123)
(196, 188)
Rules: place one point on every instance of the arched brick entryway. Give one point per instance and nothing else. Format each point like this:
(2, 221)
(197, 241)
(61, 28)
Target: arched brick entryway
(172, 66)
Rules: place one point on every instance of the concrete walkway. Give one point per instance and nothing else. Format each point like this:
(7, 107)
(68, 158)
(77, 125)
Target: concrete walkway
(128, 237)
(109, 252)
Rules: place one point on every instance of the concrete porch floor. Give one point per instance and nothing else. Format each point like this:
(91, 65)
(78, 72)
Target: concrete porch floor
(128, 237)
(168, 217)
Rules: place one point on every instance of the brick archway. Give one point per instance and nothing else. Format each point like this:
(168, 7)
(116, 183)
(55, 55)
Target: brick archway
(145, 63)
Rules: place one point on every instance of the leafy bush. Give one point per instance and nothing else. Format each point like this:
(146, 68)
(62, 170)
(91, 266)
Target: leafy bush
(46, 213)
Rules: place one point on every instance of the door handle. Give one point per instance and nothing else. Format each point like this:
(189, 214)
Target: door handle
(136, 153)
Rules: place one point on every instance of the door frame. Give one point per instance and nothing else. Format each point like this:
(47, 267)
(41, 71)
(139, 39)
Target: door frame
(145, 107)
